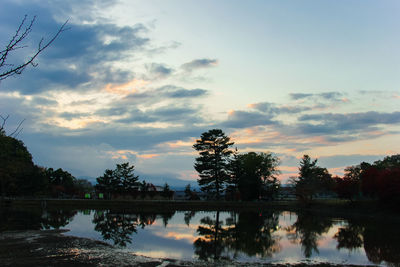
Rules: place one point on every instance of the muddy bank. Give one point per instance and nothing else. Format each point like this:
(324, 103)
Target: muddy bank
(54, 248)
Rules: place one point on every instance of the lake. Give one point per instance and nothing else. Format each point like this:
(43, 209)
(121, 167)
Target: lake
(265, 236)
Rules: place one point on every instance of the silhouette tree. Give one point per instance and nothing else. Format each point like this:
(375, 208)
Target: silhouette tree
(60, 181)
(349, 187)
(213, 163)
(107, 183)
(188, 192)
(389, 162)
(128, 182)
(119, 180)
(312, 179)
(255, 175)
(18, 174)
(167, 192)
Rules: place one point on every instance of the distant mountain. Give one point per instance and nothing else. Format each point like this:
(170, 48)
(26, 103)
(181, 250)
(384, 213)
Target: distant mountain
(160, 180)
(174, 183)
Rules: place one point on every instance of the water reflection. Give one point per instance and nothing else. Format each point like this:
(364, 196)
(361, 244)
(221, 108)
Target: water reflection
(241, 236)
(307, 230)
(57, 218)
(213, 235)
(34, 219)
(119, 226)
(379, 240)
(246, 233)
(350, 237)
(252, 234)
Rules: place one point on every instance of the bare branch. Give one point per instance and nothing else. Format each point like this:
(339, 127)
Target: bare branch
(17, 130)
(14, 44)
(4, 122)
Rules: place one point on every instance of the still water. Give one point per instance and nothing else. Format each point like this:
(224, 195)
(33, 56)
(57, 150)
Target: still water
(268, 236)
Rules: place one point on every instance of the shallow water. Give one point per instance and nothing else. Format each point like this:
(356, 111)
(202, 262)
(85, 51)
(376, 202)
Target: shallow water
(278, 237)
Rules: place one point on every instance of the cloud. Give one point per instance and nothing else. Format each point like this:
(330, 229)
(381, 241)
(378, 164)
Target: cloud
(332, 96)
(42, 101)
(159, 71)
(164, 93)
(297, 96)
(352, 121)
(199, 63)
(175, 114)
(244, 119)
(278, 109)
(81, 58)
(179, 92)
(72, 115)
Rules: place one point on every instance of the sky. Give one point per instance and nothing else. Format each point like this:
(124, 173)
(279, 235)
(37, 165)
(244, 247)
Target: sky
(139, 81)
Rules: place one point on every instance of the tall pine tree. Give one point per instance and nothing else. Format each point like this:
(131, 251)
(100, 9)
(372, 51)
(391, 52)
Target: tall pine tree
(213, 163)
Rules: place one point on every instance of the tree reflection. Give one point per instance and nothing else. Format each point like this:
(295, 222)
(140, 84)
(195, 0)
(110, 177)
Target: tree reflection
(18, 219)
(119, 226)
(34, 219)
(188, 215)
(252, 234)
(57, 218)
(349, 237)
(245, 232)
(381, 240)
(116, 226)
(166, 216)
(211, 243)
(307, 230)
(382, 243)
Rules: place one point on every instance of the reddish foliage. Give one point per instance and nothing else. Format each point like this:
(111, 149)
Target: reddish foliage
(346, 188)
(382, 183)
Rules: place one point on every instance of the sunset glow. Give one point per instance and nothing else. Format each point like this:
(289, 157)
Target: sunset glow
(140, 81)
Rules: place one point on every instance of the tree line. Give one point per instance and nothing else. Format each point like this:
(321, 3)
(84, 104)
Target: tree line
(223, 171)
(123, 183)
(19, 176)
(249, 176)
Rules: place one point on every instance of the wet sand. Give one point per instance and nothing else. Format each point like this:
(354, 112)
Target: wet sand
(54, 248)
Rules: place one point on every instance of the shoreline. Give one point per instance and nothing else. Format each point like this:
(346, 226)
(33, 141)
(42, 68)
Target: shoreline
(53, 248)
(330, 207)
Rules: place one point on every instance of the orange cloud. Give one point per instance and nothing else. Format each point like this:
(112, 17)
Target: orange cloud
(126, 88)
(75, 123)
(180, 143)
(121, 154)
(148, 156)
